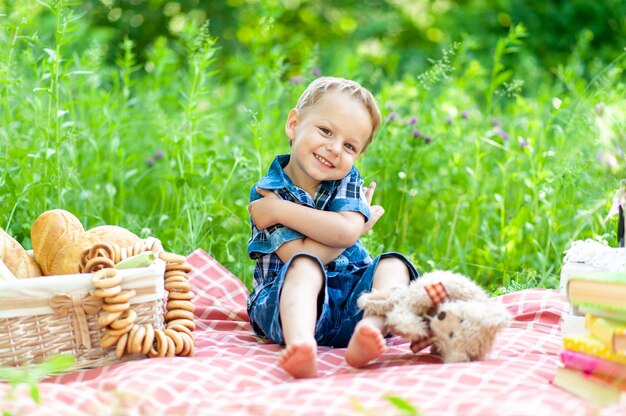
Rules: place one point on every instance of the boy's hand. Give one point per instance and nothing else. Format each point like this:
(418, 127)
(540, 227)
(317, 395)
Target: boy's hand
(376, 211)
(263, 211)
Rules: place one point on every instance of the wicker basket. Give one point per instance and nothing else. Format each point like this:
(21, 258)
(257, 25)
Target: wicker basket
(42, 317)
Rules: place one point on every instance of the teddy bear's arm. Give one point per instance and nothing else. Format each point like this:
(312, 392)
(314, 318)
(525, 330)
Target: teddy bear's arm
(378, 303)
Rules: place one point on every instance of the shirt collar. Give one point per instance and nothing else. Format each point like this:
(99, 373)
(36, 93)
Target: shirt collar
(276, 178)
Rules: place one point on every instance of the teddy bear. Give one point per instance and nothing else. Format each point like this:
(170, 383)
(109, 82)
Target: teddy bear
(443, 309)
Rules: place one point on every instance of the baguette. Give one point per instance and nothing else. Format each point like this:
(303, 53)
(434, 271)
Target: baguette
(16, 258)
(51, 231)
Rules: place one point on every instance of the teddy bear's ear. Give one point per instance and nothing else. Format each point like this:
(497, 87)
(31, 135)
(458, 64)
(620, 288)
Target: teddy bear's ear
(487, 313)
(497, 317)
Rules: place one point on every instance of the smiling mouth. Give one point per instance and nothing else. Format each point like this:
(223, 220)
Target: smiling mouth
(323, 161)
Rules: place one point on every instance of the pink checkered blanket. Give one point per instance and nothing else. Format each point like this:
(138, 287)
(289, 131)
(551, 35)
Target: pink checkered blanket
(235, 373)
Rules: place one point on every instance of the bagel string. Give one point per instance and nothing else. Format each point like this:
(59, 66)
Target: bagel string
(119, 320)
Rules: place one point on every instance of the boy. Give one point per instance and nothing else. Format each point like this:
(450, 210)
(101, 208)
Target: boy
(307, 215)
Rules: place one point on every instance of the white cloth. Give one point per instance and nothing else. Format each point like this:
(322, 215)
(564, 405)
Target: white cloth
(596, 254)
(39, 290)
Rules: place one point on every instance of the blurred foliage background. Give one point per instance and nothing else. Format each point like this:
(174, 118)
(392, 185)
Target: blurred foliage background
(391, 37)
(503, 137)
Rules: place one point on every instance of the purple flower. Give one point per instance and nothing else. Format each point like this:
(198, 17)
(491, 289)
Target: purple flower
(448, 121)
(298, 79)
(495, 122)
(427, 139)
(464, 115)
(149, 162)
(392, 116)
(503, 134)
(316, 71)
(159, 154)
(599, 108)
(416, 133)
(412, 121)
(608, 159)
(523, 144)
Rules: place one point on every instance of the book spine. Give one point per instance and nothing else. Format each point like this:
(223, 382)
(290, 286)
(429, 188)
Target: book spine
(587, 344)
(592, 365)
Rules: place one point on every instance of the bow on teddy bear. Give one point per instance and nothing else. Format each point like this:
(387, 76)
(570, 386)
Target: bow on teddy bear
(443, 309)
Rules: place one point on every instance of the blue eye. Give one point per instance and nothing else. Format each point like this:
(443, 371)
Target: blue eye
(325, 131)
(349, 147)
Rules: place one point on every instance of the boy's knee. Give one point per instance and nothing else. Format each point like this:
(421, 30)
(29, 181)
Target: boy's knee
(395, 267)
(394, 263)
(305, 260)
(303, 266)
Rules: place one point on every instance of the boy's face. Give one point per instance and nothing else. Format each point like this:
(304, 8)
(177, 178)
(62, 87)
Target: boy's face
(327, 138)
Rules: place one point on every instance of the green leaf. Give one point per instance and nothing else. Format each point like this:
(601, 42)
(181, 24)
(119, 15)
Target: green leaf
(403, 405)
(502, 77)
(12, 375)
(46, 5)
(34, 393)
(57, 364)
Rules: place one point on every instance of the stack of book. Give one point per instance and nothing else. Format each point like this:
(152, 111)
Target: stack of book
(586, 257)
(594, 361)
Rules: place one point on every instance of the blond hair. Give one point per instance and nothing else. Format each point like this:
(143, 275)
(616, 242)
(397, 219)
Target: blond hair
(323, 85)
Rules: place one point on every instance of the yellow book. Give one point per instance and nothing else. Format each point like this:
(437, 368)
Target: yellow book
(588, 344)
(610, 331)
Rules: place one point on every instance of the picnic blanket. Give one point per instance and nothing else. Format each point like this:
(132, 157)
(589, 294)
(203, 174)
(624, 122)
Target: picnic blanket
(234, 372)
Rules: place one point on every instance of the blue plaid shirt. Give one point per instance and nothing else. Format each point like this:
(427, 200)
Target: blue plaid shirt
(340, 195)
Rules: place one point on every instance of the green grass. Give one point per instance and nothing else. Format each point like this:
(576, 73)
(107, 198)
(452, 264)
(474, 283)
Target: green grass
(510, 175)
(29, 376)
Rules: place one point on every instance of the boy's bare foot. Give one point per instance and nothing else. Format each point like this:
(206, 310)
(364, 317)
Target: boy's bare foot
(366, 344)
(300, 360)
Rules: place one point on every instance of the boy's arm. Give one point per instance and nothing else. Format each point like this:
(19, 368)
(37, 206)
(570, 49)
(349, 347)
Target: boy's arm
(325, 253)
(334, 229)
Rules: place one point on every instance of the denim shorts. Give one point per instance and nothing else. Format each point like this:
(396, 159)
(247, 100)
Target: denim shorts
(337, 313)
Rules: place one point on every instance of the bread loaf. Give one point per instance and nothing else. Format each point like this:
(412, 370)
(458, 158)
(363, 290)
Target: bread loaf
(51, 231)
(16, 258)
(67, 260)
